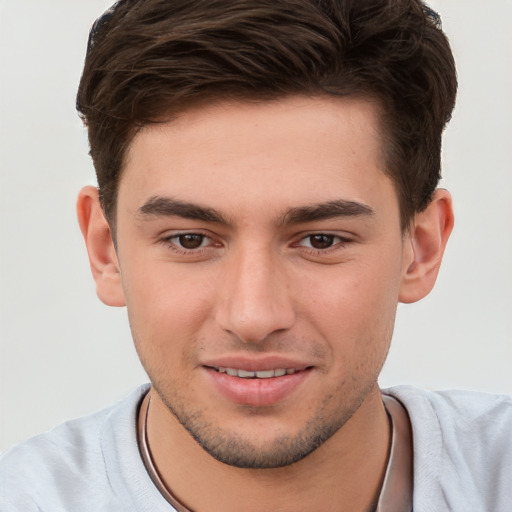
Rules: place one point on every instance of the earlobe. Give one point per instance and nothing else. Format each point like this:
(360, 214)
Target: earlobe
(427, 238)
(100, 248)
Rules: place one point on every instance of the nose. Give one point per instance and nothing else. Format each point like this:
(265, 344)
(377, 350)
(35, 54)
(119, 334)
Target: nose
(255, 299)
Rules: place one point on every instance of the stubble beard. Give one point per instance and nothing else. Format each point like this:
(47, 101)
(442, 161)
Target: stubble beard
(237, 450)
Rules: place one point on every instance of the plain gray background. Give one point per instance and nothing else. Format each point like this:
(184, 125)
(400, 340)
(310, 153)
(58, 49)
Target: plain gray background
(64, 354)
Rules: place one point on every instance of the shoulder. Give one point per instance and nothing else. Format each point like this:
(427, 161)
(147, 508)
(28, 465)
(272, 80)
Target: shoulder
(462, 446)
(475, 413)
(455, 405)
(64, 468)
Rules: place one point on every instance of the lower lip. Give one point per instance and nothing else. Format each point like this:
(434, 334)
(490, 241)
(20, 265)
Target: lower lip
(256, 392)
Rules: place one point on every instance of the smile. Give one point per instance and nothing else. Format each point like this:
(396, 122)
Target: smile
(262, 374)
(257, 384)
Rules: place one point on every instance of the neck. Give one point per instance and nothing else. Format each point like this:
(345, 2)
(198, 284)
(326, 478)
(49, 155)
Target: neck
(344, 474)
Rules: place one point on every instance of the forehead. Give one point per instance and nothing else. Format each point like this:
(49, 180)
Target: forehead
(290, 151)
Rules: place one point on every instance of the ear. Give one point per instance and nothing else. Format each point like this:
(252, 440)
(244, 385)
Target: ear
(424, 247)
(100, 247)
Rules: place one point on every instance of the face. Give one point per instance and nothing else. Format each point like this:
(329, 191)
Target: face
(261, 259)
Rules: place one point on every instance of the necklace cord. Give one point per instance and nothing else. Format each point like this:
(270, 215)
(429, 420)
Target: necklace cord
(397, 487)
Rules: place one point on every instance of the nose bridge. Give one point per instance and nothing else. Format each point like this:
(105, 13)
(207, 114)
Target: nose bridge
(255, 296)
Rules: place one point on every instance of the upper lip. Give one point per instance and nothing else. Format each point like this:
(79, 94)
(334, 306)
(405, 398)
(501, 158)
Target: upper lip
(256, 364)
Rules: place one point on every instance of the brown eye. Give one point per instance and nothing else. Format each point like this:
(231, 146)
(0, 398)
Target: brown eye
(321, 241)
(191, 240)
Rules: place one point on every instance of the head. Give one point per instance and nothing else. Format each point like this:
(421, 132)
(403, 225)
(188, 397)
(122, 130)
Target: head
(149, 60)
(267, 171)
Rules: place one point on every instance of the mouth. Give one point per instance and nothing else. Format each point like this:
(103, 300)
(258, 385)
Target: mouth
(257, 386)
(261, 374)
(256, 381)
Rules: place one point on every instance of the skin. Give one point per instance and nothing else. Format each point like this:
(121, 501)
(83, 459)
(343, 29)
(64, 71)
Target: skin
(293, 258)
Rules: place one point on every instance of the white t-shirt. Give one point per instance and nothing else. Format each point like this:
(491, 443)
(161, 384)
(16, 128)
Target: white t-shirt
(462, 459)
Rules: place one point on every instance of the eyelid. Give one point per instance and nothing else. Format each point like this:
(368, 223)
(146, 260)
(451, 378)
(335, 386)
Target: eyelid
(344, 237)
(204, 241)
(337, 249)
(168, 239)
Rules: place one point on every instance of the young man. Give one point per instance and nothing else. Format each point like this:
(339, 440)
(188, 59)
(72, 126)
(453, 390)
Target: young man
(267, 195)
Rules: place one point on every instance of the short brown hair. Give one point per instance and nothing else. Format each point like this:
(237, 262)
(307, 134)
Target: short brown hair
(148, 59)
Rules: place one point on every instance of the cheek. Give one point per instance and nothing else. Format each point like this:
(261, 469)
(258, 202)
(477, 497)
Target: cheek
(355, 309)
(357, 291)
(166, 310)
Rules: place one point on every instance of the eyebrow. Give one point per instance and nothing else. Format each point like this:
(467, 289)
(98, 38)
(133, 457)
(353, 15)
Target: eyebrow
(160, 206)
(328, 210)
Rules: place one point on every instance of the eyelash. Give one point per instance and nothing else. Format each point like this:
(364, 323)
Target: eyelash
(172, 241)
(338, 242)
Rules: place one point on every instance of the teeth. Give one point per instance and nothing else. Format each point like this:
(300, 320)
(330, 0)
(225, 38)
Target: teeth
(245, 375)
(264, 374)
(267, 374)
